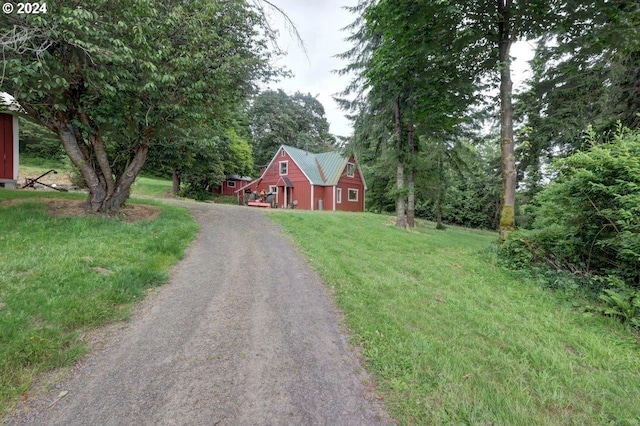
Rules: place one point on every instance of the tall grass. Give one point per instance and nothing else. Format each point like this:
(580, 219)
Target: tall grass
(61, 276)
(454, 339)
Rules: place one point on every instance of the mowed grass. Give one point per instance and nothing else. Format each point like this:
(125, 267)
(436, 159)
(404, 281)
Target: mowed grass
(451, 338)
(62, 276)
(151, 187)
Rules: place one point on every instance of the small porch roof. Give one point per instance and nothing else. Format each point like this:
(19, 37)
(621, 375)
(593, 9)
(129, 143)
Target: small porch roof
(284, 181)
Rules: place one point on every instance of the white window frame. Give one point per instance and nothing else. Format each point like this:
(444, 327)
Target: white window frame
(283, 153)
(286, 172)
(273, 189)
(338, 195)
(351, 167)
(231, 183)
(349, 194)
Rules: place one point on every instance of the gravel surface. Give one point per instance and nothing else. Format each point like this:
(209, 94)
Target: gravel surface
(245, 333)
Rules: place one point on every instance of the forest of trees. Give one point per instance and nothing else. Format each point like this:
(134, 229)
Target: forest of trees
(443, 136)
(172, 89)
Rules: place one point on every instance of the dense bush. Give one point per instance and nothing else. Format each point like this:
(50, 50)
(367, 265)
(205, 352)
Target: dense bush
(587, 220)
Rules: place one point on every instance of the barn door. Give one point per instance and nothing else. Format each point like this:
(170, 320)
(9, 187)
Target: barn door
(6, 146)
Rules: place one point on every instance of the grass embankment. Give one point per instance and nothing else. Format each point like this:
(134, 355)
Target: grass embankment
(451, 338)
(62, 276)
(144, 186)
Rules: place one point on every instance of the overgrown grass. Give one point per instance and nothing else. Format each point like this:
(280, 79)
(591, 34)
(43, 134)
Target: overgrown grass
(454, 339)
(61, 276)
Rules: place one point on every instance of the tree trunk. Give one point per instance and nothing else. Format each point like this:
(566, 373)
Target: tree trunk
(105, 193)
(401, 220)
(439, 191)
(123, 185)
(400, 213)
(507, 212)
(73, 148)
(176, 182)
(411, 196)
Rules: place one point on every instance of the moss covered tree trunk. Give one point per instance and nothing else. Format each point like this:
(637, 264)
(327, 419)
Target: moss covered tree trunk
(507, 211)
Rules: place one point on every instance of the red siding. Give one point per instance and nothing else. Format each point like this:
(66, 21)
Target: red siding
(301, 191)
(347, 183)
(6, 146)
(225, 189)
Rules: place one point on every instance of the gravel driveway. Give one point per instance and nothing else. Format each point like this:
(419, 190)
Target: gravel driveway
(245, 333)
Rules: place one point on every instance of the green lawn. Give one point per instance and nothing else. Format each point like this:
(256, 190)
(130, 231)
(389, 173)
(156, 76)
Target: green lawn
(152, 187)
(451, 338)
(62, 276)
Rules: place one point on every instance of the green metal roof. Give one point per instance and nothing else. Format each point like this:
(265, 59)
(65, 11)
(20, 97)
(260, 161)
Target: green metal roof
(321, 169)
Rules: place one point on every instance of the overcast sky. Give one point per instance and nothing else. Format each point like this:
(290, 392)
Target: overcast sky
(319, 23)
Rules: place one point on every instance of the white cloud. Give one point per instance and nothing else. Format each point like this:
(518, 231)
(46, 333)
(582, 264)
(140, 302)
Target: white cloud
(319, 23)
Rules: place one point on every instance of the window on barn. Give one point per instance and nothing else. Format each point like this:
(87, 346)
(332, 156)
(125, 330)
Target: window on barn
(351, 170)
(353, 194)
(273, 189)
(338, 195)
(284, 167)
(231, 184)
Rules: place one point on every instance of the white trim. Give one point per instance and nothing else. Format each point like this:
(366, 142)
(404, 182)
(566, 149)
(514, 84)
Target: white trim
(273, 189)
(364, 201)
(280, 163)
(334, 197)
(16, 147)
(364, 183)
(349, 195)
(231, 184)
(353, 169)
(297, 165)
(312, 196)
(339, 196)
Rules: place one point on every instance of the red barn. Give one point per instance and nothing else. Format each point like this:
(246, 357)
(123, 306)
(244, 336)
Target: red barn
(302, 180)
(230, 184)
(8, 150)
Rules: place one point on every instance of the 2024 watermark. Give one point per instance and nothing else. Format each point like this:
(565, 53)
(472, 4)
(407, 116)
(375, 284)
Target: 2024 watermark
(34, 8)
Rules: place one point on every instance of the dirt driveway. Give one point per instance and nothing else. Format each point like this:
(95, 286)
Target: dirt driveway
(244, 334)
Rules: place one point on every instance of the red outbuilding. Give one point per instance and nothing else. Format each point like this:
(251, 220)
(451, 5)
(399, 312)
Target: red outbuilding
(303, 180)
(8, 150)
(230, 184)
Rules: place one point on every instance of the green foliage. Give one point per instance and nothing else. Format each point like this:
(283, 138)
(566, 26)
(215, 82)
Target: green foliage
(37, 141)
(585, 73)
(112, 82)
(623, 304)
(205, 173)
(587, 220)
(278, 118)
(237, 155)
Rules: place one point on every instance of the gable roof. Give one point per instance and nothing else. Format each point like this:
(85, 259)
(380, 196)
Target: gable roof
(320, 169)
(238, 177)
(323, 169)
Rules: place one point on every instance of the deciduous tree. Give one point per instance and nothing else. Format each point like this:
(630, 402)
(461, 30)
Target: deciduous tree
(113, 79)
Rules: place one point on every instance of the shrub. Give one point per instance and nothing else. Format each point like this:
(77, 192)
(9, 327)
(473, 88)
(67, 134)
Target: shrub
(588, 219)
